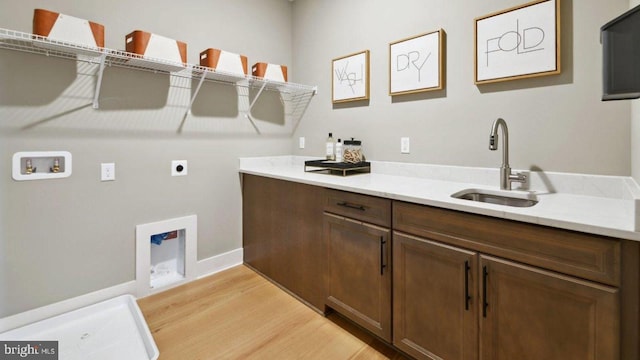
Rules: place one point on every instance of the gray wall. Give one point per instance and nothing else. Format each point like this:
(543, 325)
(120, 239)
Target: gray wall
(556, 123)
(67, 237)
(635, 126)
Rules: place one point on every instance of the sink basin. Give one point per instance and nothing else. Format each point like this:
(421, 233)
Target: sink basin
(506, 198)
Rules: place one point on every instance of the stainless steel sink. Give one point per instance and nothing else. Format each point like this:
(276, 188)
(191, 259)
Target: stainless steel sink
(497, 197)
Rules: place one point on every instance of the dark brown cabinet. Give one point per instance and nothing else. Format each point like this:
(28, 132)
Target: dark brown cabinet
(443, 284)
(435, 299)
(359, 276)
(359, 259)
(446, 298)
(453, 285)
(529, 313)
(282, 235)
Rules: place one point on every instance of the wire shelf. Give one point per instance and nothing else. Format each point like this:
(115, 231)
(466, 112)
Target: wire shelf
(297, 96)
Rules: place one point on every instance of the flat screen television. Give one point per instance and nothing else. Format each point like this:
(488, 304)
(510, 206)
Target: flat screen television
(620, 40)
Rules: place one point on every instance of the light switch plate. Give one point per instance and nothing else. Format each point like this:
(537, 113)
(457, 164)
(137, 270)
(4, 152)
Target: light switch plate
(108, 172)
(405, 145)
(301, 142)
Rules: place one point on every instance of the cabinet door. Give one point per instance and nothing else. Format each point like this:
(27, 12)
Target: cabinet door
(282, 235)
(359, 273)
(528, 313)
(305, 257)
(435, 297)
(259, 221)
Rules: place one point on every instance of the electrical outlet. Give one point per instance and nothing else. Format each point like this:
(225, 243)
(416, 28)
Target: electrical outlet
(179, 168)
(404, 145)
(301, 142)
(108, 172)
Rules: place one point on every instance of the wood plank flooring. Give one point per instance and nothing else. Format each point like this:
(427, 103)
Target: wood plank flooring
(237, 314)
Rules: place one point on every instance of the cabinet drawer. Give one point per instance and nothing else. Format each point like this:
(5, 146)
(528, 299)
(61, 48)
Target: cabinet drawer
(587, 256)
(366, 208)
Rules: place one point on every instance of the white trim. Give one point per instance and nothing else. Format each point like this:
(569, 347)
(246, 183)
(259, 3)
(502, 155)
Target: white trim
(204, 268)
(44, 312)
(219, 263)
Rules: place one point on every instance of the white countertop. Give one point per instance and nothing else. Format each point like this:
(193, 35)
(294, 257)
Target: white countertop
(602, 205)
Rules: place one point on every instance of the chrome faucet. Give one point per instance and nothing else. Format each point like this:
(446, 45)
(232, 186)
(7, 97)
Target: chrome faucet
(506, 177)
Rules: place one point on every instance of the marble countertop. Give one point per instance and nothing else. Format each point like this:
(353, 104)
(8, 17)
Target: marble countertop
(602, 205)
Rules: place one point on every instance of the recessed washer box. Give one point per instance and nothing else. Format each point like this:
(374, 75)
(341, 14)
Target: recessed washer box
(40, 165)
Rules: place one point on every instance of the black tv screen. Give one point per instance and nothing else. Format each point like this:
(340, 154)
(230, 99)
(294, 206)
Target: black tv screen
(621, 56)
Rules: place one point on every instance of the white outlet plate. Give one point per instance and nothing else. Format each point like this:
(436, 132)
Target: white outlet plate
(301, 142)
(178, 167)
(405, 145)
(108, 172)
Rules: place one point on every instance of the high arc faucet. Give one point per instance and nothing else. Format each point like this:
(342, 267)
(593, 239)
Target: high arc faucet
(506, 177)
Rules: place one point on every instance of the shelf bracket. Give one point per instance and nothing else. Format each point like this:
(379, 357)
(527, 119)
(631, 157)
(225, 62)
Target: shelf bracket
(195, 93)
(255, 127)
(193, 99)
(96, 94)
(257, 96)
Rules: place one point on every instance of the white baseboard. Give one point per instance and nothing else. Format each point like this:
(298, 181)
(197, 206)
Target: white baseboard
(219, 263)
(204, 268)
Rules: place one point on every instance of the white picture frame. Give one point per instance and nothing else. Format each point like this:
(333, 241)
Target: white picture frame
(521, 42)
(350, 78)
(416, 64)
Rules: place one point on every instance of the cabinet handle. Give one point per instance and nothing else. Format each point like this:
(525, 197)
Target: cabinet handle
(467, 297)
(382, 265)
(485, 304)
(351, 206)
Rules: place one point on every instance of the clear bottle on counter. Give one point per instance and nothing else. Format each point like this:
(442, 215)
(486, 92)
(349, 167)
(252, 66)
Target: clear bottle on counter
(331, 148)
(339, 151)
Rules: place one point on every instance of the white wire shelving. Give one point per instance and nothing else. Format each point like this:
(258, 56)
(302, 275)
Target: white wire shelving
(295, 97)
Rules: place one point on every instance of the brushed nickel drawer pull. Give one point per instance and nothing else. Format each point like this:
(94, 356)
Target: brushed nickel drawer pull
(351, 206)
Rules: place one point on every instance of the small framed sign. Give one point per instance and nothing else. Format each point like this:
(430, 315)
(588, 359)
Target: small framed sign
(520, 42)
(350, 78)
(416, 64)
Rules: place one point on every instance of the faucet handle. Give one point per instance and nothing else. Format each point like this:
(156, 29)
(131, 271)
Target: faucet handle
(518, 177)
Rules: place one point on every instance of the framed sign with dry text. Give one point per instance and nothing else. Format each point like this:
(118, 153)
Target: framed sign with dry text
(350, 78)
(520, 42)
(416, 64)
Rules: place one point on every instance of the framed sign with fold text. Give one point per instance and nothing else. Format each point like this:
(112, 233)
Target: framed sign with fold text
(521, 42)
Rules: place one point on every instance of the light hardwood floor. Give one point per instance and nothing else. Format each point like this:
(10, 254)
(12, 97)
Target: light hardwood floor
(237, 314)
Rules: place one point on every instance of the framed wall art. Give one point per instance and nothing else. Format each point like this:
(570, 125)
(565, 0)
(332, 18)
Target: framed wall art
(350, 78)
(416, 64)
(520, 42)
